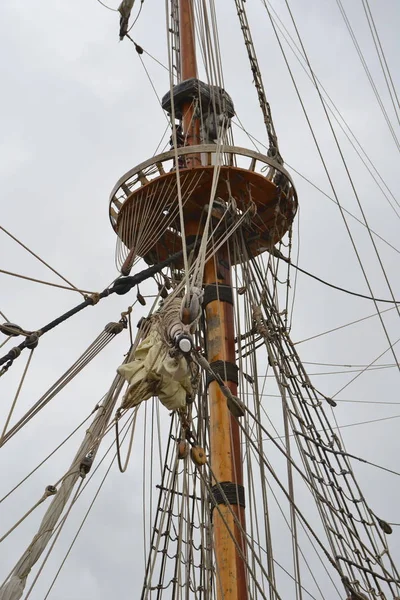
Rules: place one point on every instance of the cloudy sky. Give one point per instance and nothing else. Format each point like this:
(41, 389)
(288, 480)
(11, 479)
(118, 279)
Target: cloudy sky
(77, 111)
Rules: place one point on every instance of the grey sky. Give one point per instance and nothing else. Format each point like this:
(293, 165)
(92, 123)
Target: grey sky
(77, 111)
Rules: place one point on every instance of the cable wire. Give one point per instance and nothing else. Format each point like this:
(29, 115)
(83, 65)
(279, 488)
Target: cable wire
(109, 7)
(340, 289)
(39, 259)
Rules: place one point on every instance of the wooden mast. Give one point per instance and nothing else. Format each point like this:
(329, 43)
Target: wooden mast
(191, 124)
(226, 459)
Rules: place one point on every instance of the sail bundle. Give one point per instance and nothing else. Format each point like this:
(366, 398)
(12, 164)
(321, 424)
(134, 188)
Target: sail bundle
(125, 9)
(158, 367)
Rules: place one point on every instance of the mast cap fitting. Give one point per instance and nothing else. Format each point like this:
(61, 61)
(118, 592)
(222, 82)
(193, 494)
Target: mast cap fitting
(207, 95)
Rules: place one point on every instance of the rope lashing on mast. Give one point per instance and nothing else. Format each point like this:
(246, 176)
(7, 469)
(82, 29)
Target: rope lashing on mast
(227, 493)
(121, 286)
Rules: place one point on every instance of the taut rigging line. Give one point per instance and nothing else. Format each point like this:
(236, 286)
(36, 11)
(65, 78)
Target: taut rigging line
(335, 287)
(121, 286)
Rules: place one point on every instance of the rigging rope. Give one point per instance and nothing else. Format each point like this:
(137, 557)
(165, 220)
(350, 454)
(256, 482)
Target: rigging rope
(377, 44)
(121, 467)
(56, 536)
(343, 453)
(281, 437)
(175, 144)
(40, 259)
(336, 287)
(356, 195)
(81, 488)
(226, 392)
(121, 286)
(109, 7)
(49, 455)
(341, 327)
(273, 150)
(17, 393)
(62, 287)
(334, 110)
(90, 353)
(323, 161)
(368, 366)
(85, 516)
(253, 140)
(14, 587)
(368, 73)
(302, 395)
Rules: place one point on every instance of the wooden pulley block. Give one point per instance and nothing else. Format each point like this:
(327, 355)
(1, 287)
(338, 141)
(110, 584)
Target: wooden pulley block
(141, 299)
(182, 449)
(236, 406)
(198, 456)
(186, 316)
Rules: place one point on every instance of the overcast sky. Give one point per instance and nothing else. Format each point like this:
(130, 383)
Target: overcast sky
(77, 111)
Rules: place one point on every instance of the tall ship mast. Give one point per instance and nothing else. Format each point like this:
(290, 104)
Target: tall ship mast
(247, 488)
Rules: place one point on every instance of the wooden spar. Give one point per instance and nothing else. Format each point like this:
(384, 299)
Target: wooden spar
(187, 41)
(226, 460)
(191, 125)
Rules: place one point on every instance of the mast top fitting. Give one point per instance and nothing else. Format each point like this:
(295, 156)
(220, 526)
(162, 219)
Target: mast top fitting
(209, 98)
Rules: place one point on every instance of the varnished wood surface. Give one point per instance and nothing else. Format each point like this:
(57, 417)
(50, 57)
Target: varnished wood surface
(273, 212)
(226, 459)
